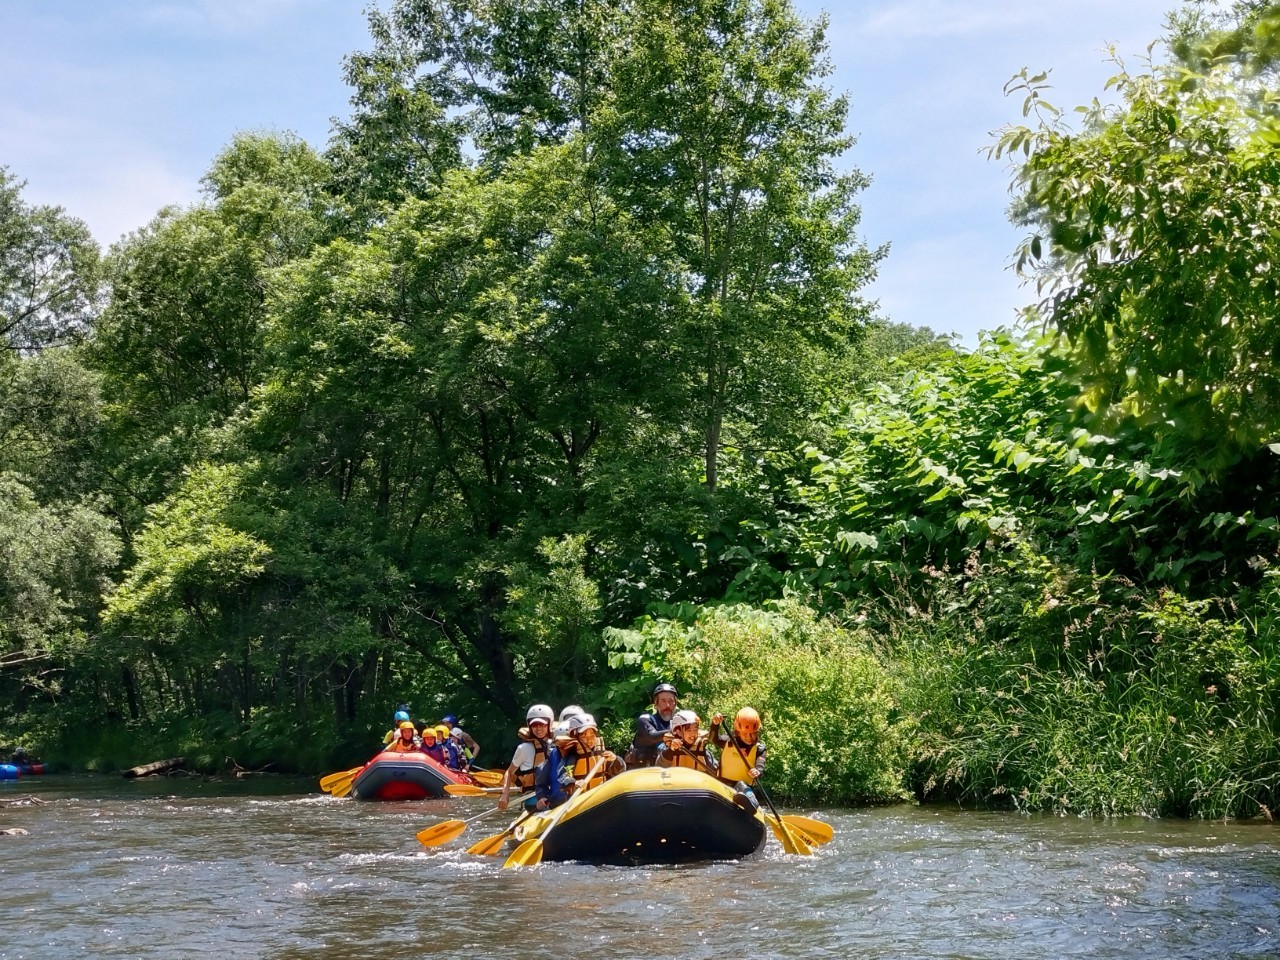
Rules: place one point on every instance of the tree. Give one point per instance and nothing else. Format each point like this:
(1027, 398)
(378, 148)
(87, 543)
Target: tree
(719, 131)
(447, 387)
(180, 344)
(48, 273)
(704, 118)
(1152, 239)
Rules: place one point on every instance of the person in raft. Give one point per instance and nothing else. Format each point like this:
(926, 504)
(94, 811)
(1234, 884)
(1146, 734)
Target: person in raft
(650, 727)
(561, 727)
(407, 741)
(21, 758)
(570, 761)
(455, 757)
(471, 749)
(431, 746)
(402, 714)
(535, 742)
(741, 752)
(685, 745)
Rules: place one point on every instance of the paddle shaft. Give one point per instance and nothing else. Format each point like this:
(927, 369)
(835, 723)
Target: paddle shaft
(535, 845)
(482, 847)
(756, 782)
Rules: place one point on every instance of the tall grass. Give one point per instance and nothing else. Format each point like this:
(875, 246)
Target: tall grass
(1160, 708)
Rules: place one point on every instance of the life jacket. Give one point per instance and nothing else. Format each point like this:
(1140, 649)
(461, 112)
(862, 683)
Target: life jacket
(646, 755)
(400, 745)
(683, 755)
(583, 762)
(435, 751)
(524, 778)
(452, 755)
(732, 767)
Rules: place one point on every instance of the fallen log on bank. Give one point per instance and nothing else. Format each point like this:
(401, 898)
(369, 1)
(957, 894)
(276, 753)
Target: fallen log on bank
(150, 769)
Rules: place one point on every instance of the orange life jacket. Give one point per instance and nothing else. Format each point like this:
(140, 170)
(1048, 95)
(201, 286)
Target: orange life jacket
(683, 755)
(583, 762)
(524, 778)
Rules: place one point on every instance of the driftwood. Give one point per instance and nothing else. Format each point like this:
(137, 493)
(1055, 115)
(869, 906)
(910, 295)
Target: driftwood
(26, 801)
(240, 772)
(160, 766)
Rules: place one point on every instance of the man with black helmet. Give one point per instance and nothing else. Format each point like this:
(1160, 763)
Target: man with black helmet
(650, 727)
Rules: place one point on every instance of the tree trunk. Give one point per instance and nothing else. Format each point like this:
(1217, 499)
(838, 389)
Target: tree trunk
(159, 766)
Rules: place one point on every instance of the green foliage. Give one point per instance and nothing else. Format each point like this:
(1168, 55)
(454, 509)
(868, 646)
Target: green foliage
(48, 273)
(1149, 706)
(721, 131)
(830, 709)
(54, 566)
(1151, 239)
(553, 613)
(977, 459)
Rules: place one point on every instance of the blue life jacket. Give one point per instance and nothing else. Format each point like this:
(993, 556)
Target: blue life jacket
(546, 780)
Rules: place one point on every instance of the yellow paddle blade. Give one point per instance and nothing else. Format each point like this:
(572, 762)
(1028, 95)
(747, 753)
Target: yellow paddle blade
(440, 833)
(816, 832)
(487, 778)
(790, 840)
(466, 790)
(327, 783)
(489, 846)
(343, 788)
(528, 854)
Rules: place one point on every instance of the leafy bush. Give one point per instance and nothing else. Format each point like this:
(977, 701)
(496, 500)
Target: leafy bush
(1152, 707)
(830, 709)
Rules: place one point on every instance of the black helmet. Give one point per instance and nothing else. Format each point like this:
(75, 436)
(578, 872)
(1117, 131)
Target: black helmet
(666, 688)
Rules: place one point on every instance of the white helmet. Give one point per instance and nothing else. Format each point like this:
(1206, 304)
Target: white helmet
(572, 710)
(540, 711)
(682, 718)
(456, 733)
(581, 721)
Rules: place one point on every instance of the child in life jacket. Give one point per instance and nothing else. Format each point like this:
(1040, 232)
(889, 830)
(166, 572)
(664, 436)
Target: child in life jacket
(741, 752)
(571, 764)
(407, 741)
(431, 746)
(535, 744)
(685, 745)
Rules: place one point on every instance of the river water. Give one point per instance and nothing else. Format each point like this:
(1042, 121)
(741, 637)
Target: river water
(272, 868)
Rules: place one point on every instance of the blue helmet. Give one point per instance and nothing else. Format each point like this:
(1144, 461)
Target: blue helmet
(450, 719)
(402, 716)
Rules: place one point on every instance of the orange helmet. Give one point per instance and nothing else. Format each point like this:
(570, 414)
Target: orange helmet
(747, 720)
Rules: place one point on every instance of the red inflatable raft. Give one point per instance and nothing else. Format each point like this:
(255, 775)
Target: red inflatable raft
(404, 776)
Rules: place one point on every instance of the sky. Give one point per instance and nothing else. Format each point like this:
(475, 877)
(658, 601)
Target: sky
(113, 109)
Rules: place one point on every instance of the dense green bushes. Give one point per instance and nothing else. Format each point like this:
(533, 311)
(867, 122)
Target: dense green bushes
(1145, 704)
(830, 708)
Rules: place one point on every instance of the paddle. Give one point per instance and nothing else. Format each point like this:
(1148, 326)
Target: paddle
(529, 853)
(786, 836)
(468, 790)
(328, 783)
(492, 845)
(447, 830)
(487, 778)
(815, 831)
(342, 788)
